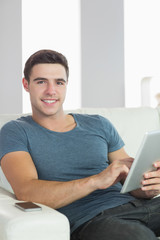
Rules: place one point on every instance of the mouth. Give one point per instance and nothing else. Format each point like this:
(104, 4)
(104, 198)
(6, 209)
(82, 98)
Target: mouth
(49, 101)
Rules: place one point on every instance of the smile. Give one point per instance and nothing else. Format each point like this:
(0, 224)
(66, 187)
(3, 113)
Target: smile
(49, 101)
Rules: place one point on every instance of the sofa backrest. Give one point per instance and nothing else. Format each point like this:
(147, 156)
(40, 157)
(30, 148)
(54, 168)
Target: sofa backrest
(131, 123)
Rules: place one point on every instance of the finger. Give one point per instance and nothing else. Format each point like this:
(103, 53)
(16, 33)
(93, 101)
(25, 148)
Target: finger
(153, 187)
(129, 159)
(151, 181)
(128, 162)
(156, 164)
(152, 174)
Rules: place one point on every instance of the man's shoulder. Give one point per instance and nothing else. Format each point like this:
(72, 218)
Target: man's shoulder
(17, 123)
(91, 118)
(87, 116)
(94, 121)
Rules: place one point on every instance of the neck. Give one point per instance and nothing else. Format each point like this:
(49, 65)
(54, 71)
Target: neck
(57, 123)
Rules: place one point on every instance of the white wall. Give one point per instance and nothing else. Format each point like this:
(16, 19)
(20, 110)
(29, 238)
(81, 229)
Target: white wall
(10, 57)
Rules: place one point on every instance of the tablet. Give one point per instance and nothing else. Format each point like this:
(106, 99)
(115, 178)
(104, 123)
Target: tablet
(148, 153)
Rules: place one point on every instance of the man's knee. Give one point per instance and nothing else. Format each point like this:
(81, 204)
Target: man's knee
(137, 231)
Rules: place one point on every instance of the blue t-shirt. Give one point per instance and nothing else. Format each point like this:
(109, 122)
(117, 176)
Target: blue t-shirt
(66, 156)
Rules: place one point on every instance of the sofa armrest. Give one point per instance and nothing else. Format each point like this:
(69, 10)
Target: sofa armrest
(16, 224)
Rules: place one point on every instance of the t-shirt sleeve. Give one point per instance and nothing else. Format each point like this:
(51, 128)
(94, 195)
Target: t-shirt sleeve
(12, 138)
(113, 138)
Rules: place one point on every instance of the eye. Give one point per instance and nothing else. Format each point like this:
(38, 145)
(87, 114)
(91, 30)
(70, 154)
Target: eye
(40, 82)
(60, 83)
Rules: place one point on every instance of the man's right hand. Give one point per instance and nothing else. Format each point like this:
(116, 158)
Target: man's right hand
(117, 171)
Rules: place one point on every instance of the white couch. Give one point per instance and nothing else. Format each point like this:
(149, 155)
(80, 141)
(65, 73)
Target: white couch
(49, 224)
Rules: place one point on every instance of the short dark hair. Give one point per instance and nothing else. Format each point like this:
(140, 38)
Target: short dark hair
(45, 56)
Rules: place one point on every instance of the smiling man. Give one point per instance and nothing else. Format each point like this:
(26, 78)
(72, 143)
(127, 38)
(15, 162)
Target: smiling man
(75, 163)
(47, 88)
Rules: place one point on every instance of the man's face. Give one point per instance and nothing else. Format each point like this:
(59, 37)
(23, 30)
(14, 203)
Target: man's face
(47, 89)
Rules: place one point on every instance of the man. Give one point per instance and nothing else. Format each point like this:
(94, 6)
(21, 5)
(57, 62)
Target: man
(75, 163)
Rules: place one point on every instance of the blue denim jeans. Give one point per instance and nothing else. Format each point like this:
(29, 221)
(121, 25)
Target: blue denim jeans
(136, 220)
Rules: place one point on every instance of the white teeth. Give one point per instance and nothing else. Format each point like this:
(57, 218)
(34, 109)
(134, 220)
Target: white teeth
(49, 101)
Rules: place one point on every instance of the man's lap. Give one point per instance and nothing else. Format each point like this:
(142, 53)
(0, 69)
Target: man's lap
(129, 221)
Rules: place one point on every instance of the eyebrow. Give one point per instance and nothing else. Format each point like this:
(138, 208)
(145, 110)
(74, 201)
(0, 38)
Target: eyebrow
(44, 79)
(39, 78)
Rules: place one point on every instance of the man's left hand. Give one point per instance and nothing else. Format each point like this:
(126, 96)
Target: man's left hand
(150, 184)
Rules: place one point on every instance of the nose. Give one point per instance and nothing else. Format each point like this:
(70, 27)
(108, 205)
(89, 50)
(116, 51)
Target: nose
(51, 89)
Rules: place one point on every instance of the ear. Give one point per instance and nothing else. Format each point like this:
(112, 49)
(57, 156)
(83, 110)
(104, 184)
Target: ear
(25, 84)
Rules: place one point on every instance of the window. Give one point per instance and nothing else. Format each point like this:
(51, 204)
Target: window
(142, 48)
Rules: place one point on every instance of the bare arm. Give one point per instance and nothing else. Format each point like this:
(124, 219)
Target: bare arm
(22, 175)
(119, 154)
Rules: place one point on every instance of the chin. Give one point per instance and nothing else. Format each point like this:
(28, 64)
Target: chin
(52, 113)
